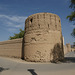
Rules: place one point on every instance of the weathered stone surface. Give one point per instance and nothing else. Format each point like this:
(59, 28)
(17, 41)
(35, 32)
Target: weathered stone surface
(11, 48)
(42, 41)
(67, 48)
(43, 38)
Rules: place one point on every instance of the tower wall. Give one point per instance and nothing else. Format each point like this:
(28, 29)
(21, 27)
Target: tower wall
(43, 38)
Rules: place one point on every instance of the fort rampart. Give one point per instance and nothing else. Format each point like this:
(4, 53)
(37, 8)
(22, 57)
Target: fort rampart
(11, 48)
(42, 41)
(43, 38)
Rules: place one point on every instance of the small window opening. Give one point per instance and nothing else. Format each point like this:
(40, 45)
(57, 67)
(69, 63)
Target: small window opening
(48, 25)
(59, 20)
(56, 27)
(39, 25)
(31, 20)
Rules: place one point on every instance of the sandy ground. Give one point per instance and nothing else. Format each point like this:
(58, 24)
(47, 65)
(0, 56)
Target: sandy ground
(15, 66)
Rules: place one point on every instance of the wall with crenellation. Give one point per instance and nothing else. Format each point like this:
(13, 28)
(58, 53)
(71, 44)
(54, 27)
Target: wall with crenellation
(43, 38)
(42, 42)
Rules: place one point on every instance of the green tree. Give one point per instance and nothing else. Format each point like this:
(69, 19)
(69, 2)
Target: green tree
(71, 17)
(73, 33)
(74, 43)
(19, 35)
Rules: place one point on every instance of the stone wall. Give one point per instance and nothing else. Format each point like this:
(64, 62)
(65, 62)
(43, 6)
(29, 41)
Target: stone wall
(67, 48)
(42, 42)
(43, 38)
(73, 48)
(11, 48)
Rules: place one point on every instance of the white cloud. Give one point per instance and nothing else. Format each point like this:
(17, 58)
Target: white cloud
(12, 29)
(12, 22)
(14, 18)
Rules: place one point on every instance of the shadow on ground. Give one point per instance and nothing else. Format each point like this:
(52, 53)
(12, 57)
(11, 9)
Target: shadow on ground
(69, 59)
(32, 71)
(3, 69)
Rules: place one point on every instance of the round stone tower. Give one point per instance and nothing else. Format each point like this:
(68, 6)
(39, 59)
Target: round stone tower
(43, 38)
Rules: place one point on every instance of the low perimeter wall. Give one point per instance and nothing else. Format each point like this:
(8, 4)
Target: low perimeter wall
(11, 48)
(67, 48)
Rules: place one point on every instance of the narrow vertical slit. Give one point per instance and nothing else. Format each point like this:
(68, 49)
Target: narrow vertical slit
(39, 25)
(48, 25)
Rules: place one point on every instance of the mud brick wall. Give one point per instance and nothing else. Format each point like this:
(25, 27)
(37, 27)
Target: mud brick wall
(67, 48)
(73, 49)
(11, 48)
(43, 38)
(42, 42)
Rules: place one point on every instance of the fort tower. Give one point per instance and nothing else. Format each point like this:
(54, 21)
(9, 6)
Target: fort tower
(43, 38)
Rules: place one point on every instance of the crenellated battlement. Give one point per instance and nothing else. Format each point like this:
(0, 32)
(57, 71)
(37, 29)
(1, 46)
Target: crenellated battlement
(43, 21)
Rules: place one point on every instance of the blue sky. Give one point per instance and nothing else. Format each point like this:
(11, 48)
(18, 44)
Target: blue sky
(14, 12)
